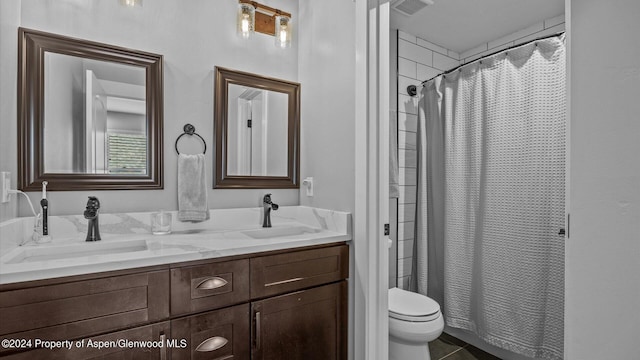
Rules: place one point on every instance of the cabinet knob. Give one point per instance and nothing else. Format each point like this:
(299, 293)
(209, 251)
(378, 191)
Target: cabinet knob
(212, 344)
(211, 283)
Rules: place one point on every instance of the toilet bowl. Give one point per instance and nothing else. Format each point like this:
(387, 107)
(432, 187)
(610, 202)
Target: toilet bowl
(414, 320)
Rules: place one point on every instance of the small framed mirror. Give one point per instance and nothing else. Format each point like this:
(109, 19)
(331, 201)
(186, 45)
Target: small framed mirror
(90, 115)
(257, 131)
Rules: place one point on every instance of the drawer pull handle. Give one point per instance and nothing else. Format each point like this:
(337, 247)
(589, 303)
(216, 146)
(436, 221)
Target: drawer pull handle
(258, 330)
(163, 349)
(212, 344)
(211, 283)
(284, 281)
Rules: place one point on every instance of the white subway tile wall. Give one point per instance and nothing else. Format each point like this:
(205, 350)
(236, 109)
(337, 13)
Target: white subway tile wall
(408, 140)
(420, 60)
(427, 72)
(407, 68)
(415, 52)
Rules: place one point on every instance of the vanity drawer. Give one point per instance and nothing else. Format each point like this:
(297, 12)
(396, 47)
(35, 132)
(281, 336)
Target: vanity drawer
(282, 273)
(218, 334)
(210, 286)
(79, 309)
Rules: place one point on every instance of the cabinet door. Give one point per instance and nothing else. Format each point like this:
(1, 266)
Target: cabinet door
(141, 343)
(306, 325)
(220, 334)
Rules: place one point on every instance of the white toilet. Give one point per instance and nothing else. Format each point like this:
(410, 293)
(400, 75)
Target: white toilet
(414, 320)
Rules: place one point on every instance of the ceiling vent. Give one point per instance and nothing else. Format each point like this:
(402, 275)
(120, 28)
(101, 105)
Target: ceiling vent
(410, 7)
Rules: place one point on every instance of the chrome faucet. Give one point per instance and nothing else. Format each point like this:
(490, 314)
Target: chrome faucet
(91, 213)
(268, 206)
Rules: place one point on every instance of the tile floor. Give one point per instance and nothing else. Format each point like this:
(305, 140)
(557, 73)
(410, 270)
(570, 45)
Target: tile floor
(446, 347)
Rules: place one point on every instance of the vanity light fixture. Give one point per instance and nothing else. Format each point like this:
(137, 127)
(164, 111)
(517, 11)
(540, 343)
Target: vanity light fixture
(246, 19)
(283, 31)
(253, 16)
(130, 3)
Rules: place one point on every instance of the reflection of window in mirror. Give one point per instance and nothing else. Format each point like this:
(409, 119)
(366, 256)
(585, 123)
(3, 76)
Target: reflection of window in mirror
(126, 153)
(95, 116)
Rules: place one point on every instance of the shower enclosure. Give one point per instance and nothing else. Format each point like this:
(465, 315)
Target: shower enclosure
(490, 209)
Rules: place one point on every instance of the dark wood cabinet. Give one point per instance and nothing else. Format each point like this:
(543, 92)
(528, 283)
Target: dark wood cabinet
(77, 309)
(286, 304)
(141, 343)
(219, 334)
(307, 325)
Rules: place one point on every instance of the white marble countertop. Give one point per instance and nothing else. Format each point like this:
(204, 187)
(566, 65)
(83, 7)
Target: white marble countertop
(128, 243)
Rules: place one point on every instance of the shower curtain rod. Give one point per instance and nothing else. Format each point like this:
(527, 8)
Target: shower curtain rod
(493, 53)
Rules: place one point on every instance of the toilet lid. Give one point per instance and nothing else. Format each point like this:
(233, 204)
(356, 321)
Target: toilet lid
(410, 306)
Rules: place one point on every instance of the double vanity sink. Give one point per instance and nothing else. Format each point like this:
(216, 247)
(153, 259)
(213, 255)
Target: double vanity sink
(127, 241)
(225, 288)
(136, 247)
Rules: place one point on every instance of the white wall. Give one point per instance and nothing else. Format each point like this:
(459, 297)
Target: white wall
(344, 162)
(326, 72)
(420, 60)
(9, 20)
(393, 142)
(602, 319)
(543, 28)
(193, 36)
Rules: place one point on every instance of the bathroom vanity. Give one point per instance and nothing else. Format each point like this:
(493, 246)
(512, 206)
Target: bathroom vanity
(287, 302)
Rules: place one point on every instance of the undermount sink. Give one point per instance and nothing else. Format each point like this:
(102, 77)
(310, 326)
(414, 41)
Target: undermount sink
(284, 231)
(28, 254)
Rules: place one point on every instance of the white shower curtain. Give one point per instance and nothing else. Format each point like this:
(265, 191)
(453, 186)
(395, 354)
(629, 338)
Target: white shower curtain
(491, 198)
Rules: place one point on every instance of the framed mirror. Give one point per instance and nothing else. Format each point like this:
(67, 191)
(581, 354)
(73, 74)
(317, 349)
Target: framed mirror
(90, 115)
(257, 131)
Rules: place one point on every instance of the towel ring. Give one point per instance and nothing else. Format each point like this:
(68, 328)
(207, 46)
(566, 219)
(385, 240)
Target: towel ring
(190, 130)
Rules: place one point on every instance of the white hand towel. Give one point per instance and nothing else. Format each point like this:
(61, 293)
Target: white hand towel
(192, 188)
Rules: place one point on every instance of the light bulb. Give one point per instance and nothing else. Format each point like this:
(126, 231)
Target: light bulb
(245, 26)
(283, 36)
(130, 3)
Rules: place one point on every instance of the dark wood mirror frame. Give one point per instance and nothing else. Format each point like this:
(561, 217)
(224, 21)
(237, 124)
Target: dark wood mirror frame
(32, 45)
(225, 77)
